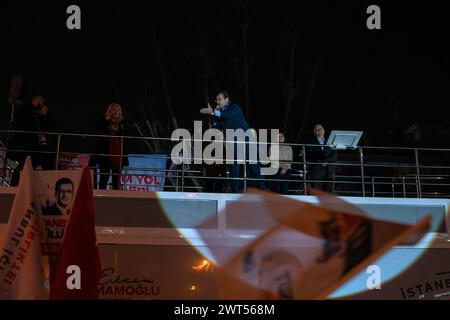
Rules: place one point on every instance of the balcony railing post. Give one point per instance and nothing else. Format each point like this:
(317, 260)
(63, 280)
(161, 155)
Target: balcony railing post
(58, 145)
(245, 169)
(417, 186)
(120, 163)
(125, 174)
(305, 185)
(182, 176)
(361, 161)
(373, 186)
(404, 186)
(176, 180)
(419, 189)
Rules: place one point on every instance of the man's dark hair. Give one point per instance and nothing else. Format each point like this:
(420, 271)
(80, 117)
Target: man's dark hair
(224, 93)
(62, 181)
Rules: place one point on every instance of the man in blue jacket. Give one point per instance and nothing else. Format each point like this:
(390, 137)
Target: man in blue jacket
(228, 115)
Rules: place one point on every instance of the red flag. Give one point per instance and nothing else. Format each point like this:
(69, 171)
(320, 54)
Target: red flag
(79, 267)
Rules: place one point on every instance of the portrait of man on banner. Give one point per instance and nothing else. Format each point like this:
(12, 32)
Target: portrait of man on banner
(56, 203)
(64, 194)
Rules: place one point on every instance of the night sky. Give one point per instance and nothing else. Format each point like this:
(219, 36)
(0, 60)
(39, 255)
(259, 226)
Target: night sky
(357, 71)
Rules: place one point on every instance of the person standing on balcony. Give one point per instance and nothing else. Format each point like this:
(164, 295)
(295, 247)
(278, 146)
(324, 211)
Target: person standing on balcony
(34, 118)
(109, 149)
(322, 157)
(228, 115)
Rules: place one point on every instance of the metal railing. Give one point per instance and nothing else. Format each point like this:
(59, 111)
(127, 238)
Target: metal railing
(364, 171)
(6, 166)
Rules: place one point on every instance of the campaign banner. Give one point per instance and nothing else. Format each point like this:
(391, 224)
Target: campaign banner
(56, 199)
(144, 172)
(79, 248)
(36, 227)
(73, 161)
(56, 203)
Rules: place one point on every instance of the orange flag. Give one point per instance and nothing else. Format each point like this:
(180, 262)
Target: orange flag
(79, 267)
(290, 249)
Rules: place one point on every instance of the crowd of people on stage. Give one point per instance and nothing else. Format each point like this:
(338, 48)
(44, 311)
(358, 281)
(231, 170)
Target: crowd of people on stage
(228, 115)
(35, 117)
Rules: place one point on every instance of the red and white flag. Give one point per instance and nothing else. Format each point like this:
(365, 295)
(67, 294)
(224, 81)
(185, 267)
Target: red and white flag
(79, 268)
(21, 269)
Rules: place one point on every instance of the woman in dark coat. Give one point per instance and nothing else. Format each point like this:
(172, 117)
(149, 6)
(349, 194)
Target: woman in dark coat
(108, 150)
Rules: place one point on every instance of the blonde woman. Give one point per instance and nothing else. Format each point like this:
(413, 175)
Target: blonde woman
(108, 149)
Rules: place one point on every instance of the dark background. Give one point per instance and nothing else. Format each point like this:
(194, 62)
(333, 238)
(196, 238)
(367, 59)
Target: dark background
(151, 56)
